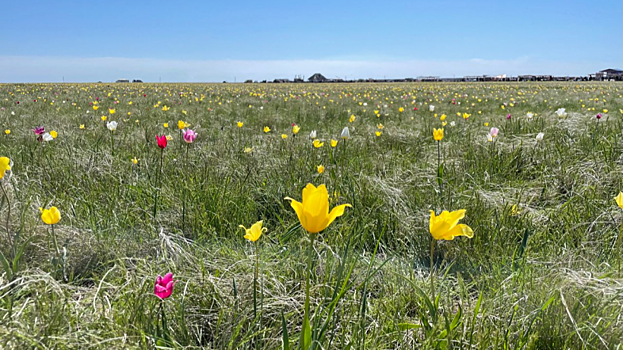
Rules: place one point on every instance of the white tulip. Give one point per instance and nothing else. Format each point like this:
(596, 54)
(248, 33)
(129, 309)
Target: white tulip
(431, 108)
(539, 136)
(312, 135)
(561, 112)
(112, 126)
(47, 137)
(345, 133)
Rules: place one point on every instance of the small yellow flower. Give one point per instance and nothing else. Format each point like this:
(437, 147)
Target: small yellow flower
(248, 150)
(378, 133)
(605, 111)
(81, 126)
(296, 129)
(5, 165)
(95, 108)
(166, 125)
(514, 210)
(465, 115)
(313, 211)
(401, 109)
(50, 216)
(445, 226)
(318, 144)
(320, 169)
(333, 143)
(254, 232)
(111, 111)
(486, 124)
(618, 199)
(134, 161)
(284, 136)
(352, 118)
(184, 113)
(438, 134)
(443, 117)
(380, 126)
(169, 137)
(165, 108)
(7, 131)
(444, 123)
(54, 134)
(266, 129)
(104, 118)
(240, 124)
(182, 124)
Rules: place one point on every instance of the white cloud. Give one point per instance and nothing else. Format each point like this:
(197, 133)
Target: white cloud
(76, 69)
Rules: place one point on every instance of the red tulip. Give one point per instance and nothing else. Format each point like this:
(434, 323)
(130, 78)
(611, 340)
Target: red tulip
(162, 141)
(164, 286)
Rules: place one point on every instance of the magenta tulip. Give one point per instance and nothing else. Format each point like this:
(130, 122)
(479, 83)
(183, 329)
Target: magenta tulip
(190, 136)
(164, 286)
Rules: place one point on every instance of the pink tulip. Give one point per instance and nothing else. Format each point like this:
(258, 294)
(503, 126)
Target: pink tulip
(39, 130)
(190, 136)
(494, 132)
(508, 117)
(164, 286)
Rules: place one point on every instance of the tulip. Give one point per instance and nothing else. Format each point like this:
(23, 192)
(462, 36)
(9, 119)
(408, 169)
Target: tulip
(320, 169)
(163, 288)
(50, 216)
(5, 165)
(190, 136)
(317, 143)
(494, 132)
(561, 112)
(112, 125)
(619, 200)
(598, 116)
(47, 137)
(295, 129)
(284, 136)
(254, 232)
(431, 108)
(240, 124)
(313, 211)
(345, 133)
(313, 134)
(446, 225)
(438, 134)
(182, 124)
(162, 141)
(266, 129)
(539, 136)
(333, 143)
(7, 131)
(508, 117)
(39, 130)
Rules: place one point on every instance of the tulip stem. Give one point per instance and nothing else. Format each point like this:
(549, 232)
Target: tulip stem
(8, 215)
(158, 181)
(432, 270)
(439, 173)
(309, 272)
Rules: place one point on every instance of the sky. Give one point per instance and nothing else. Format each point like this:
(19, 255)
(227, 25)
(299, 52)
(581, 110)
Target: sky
(213, 41)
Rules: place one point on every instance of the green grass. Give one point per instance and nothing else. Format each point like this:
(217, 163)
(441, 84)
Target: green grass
(545, 277)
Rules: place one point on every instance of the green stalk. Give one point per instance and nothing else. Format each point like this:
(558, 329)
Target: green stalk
(432, 270)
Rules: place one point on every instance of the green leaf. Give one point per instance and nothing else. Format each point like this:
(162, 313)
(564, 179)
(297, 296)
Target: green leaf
(406, 326)
(305, 334)
(284, 334)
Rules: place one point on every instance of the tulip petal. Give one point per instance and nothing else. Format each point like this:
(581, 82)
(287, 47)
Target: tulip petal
(619, 200)
(298, 209)
(317, 202)
(307, 191)
(336, 212)
(458, 230)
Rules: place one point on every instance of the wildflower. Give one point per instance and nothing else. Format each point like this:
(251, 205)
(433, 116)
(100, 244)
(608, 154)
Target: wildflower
(378, 133)
(489, 138)
(313, 134)
(103, 118)
(182, 124)
(5, 165)
(452, 123)
(165, 108)
(438, 134)
(50, 216)
(169, 137)
(7, 131)
(494, 132)
(166, 125)
(295, 129)
(598, 116)
(162, 141)
(619, 200)
(111, 111)
(163, 288)
(284, 136)
(401, 109)
(345, 133)
(508, 117)
(445, 226)
(254, 232)
(539, 136)
(81, 126)
(317, 143)
(47, 137)
(605, 111)
(190, 136)
(466, 116)
(333, 143)
(95, 107)
(112, 126)
(266, 129)
(134, 161)
(54, 134)
(443, 117)
(560, 112)
(529, 115)
(380, 126)
(240, 124)
(248, 150)
(320, 169)
(352, 118)
(313, 211)
(431, 108)
(39, 130)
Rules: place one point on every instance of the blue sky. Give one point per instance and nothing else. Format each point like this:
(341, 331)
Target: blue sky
(220, 40)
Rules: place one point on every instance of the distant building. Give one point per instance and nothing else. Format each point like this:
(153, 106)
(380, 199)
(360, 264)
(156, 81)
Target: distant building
(123, 81)
(137, 81)
(317, 78)
(608, 74)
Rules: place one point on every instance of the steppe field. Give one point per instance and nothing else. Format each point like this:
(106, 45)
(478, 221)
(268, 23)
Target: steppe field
(503, 231)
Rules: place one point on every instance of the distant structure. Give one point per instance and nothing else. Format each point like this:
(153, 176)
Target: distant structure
(608, 74)
(122, 81)
(317, 78)
(137, 81)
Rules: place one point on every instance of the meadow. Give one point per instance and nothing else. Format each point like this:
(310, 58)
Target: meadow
(535, 166)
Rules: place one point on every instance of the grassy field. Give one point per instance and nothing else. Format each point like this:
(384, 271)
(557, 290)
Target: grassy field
(542, 271)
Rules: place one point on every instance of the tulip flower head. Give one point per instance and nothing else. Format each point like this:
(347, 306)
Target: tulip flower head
(320, 169)
(508, 117)
(163, 288)
(539, 136)
(240, 124)
(560, 112)
(50, 216)
(39, 130)
(317, 143)
(254, 232)
(313, 134)
(162, 141)
(313, 211)
(598, 116)
(438, 134)
(190, 136)
(112, 125)
(619, 200)
(333, 143)
(182, 124)
(345, 133)
(5, 165)
(431, 108)
(446, 225)
(494, 132)
(47, 137)
(266, 129)
(295, 129)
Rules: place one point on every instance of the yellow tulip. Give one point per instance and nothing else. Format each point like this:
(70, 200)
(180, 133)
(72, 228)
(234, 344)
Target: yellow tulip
(111, 111)
(104, 118)
(443, 117)
(81, 126)
(50, 216)
(378, 133)
(320, 169)
(182, 124)
(254, 232)
(134, 161)
(7, 131)
(296, 129)
(95, 108)
(618, 199)
(445, 226)
(240, 124)
(266, 129)
(166, 125)
(313, 211)
(318, 144)
(401, 109)
(284, 136)
(333, 143)
(438, 134)
(5, 165)
(54, 134)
